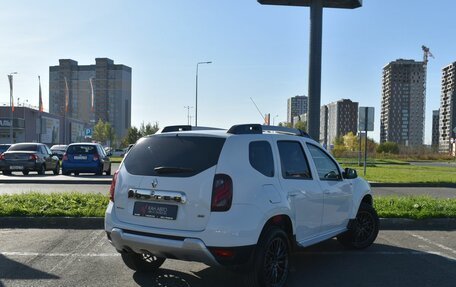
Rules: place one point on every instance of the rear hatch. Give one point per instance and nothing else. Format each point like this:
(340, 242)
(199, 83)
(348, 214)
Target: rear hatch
(166, 181)
(81, 153)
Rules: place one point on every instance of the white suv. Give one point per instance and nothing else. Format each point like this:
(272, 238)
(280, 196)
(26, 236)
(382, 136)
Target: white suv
(245, 197)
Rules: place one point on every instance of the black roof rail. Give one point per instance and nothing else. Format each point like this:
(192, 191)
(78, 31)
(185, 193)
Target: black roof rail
(259, 129)
(180, 128)
(245, 129)
(285, 130)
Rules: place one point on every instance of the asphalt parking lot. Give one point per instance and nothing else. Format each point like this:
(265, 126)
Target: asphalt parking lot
(64, 257)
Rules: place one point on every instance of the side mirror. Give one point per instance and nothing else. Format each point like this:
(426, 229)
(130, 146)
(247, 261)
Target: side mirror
(350, 173)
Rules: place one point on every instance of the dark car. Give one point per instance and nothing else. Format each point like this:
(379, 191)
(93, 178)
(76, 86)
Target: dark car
(85, 158)
(4, 147)
(28, 157)
(59, 150)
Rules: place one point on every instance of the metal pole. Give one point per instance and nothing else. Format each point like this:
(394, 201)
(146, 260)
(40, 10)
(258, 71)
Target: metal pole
(365, 142)
(10, 78)
(313, 117)
(196, 97)
(359, 148)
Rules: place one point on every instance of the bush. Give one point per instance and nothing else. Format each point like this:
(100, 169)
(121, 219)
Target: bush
(388, 147)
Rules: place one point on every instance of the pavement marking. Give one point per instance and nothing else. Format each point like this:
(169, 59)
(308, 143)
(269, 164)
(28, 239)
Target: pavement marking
(446, 248)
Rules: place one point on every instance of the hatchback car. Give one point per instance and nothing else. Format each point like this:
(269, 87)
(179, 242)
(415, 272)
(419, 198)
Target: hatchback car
(85, 158)
(241, 198)
(28, 157)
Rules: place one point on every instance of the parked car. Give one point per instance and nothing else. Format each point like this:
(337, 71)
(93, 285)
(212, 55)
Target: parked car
(241, 198)
(85, 158)
(59, 150)
(117, 152)
(28, 157)
(4, 147)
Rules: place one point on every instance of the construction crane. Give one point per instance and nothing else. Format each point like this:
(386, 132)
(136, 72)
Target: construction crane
(427, 54)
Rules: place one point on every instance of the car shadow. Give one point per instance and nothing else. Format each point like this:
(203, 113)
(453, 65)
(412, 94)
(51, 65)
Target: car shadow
(13, 270)
(329, 264)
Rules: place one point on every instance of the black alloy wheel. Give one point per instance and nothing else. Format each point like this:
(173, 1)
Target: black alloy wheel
(276, 262)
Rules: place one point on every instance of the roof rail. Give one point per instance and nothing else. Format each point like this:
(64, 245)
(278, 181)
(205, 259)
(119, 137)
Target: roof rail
(259, 129)
(180, 128)
(285, 130)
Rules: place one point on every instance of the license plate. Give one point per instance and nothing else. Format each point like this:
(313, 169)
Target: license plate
(155, 210)
(16, 167)
(80, 157)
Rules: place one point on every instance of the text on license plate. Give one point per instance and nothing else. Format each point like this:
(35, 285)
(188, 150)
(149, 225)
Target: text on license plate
(80, 157)
(155, 210)
(16, 167)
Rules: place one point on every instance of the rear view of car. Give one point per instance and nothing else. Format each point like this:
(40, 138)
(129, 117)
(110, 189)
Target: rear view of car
(85, 158)
(59, 150)
(26, 157)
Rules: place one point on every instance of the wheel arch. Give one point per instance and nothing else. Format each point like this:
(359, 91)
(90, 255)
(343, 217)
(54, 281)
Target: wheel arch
(282, 221)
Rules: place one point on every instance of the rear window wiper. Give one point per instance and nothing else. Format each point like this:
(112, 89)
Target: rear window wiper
(171, 169)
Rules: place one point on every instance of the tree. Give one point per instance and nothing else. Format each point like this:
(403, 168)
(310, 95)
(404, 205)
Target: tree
(148, 129)
(301, 125)
(351, 141)
(133, 135)
(110, 134)
(99, 133)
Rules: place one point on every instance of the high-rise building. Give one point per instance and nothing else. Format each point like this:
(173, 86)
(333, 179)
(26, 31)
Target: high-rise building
(112, 92)
(435, 128)
(447, 117)
(403, 103)
(339, 118)
(296, 106)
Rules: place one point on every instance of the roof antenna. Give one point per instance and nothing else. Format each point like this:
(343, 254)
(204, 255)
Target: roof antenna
(261, 114)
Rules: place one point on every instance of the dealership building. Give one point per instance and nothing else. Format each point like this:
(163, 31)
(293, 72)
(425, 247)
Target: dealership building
(31, 125)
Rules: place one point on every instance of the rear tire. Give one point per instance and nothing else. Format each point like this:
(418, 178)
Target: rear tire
(25, 172)
(142, 262)
(41, 170)
(271, 262)
(364, 229)
(56, 170)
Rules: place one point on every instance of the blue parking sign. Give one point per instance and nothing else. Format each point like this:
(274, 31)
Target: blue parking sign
(88, 132)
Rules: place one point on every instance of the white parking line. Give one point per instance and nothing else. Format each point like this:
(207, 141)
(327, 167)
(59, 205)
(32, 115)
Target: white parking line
(432, 242)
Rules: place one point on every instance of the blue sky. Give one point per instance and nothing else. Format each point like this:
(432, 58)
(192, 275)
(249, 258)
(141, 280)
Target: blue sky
(257, 51)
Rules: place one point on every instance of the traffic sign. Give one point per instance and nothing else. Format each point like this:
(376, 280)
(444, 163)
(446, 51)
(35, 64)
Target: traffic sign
(88, 132)
(366, 116)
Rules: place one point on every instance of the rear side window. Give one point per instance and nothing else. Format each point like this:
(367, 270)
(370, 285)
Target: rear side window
(82, 149)
(23, 147)
(175, 156)
(293, 160)
(260, 157)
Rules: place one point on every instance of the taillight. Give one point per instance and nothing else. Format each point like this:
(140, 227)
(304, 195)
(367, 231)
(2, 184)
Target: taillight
(112, 190)
(96, 157)
(65, 157)
(2, 157)
(33, 157)
(222, 193)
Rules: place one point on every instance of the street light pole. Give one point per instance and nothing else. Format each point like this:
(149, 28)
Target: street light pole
(10, 78)
(196, 91)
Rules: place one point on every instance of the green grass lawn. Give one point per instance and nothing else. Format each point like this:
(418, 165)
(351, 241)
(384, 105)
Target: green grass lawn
(116, 159)
(94, 205)
(407, 173)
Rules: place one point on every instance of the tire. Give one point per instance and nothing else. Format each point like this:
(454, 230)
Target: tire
(7, 172)
(41, 170)
(108, 172)
(364, 229)
(271, 263)
(56, 170)
(142, 262)
(25, 172)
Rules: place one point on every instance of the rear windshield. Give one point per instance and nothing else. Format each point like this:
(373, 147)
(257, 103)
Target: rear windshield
(175, 156)
(82, 149)
(23, 147)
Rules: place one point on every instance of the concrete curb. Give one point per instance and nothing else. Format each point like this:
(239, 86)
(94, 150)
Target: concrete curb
(98, 223)
(405, 184)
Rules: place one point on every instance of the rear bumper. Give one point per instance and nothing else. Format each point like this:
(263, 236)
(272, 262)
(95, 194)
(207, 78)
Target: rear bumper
(86, 167)
(189, 249)
(6, 165)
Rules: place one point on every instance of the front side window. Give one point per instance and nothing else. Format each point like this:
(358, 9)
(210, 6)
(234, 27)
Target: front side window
(326, 167)
(260, 157)
(293, 160)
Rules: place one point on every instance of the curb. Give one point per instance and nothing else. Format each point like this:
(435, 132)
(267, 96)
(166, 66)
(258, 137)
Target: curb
(405, 184)
(98, 223)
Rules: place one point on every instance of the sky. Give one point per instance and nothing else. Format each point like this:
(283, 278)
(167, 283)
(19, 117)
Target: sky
(259, 52)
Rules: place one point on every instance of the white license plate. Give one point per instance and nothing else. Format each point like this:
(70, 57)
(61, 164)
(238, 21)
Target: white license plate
(16, 167)
(80, 157)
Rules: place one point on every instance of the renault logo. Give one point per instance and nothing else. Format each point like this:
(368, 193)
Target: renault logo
(154, 183)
